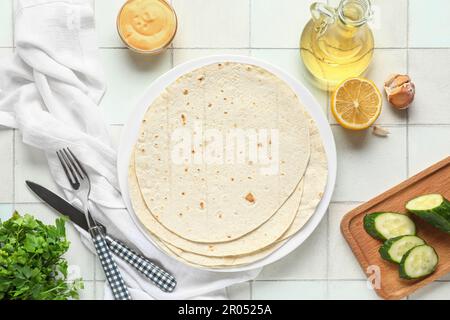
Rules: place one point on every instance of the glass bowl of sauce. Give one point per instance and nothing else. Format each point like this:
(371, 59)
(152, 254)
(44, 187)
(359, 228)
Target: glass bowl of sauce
(147, 26)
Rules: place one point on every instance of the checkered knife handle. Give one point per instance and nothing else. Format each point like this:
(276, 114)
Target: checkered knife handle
(112, 273)
(161, 278)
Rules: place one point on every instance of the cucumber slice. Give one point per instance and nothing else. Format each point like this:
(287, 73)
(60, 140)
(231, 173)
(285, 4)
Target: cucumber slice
(387, 225)
(394, 249)
(418, 262)
(433, 208)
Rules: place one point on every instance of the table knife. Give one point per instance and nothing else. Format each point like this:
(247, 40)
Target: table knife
(161, 278)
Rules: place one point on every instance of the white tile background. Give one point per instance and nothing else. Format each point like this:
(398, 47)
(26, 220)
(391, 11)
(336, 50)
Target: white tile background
(412, 36)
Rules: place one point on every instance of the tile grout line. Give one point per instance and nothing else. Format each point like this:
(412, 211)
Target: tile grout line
(327, 249)
(171, 46)
(95, 273)
(251, 282)
(407, 26)
(93, 260)
(391, 125)
(407, 110)
(332, 202)
(14, 169)
(399, 125)
(327, 252)
(355, 202)
(331, 280)
(257, 48)
(14, 130)
(250, 25)
(341, 202)
(37, 202)
(250, 53)
(407, 72)
(428, 124)
(13, 24)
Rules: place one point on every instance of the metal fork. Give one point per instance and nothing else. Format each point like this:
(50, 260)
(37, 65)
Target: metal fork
(79, 180)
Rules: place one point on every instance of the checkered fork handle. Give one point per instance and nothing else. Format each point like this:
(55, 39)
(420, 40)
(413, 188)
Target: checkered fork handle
(161, 278)
(112, 273)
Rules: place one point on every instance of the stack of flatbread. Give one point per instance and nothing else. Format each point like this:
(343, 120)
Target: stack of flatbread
(227, 166)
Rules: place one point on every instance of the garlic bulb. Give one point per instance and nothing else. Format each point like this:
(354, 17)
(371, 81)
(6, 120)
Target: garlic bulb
(399, 90)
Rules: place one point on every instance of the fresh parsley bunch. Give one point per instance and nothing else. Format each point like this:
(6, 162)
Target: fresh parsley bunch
(31, 262)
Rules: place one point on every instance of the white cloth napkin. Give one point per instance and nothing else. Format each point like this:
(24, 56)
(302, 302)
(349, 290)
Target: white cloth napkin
(50, 90)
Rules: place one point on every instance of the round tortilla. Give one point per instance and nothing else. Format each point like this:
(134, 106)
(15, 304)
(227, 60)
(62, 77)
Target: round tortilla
(200, 261)
(315, 181)
(208, 202)
(259, 238)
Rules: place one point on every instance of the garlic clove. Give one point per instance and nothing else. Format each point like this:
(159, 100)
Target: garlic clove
(380, 131)
(399, 90)
(396, 80)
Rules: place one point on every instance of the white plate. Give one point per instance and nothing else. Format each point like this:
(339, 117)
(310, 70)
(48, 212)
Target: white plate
(131, 130)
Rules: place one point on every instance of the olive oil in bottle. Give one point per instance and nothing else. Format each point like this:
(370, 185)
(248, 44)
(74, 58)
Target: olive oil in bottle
(337, 43)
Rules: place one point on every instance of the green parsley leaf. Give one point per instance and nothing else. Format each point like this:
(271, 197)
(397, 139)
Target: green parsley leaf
(31, 262)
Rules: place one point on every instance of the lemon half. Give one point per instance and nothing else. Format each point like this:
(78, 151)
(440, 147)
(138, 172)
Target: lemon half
(356, 103)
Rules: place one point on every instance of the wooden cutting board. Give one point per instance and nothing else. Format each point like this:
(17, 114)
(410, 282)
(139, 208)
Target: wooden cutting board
(435, 179)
